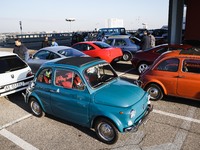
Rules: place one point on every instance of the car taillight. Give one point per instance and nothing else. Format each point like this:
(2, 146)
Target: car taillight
(29, 74)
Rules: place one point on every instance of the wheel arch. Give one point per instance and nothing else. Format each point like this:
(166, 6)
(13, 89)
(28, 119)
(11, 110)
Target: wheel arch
(117, 123)
(162, 87)
(39, 101)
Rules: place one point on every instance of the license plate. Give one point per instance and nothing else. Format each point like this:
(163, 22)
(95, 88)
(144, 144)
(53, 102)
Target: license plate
(13, 86)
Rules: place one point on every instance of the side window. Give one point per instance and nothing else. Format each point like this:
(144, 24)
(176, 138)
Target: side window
(170, 65)
(109, 41)
(77, 82)
(45, 76)
(120, 42)
(63, 78)
(191, 65)
(89, 47)
(41, 55)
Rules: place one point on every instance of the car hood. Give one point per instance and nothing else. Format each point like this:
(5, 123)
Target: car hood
(119, 93)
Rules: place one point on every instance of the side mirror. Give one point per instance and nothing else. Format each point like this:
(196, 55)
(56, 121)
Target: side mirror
(31, 56)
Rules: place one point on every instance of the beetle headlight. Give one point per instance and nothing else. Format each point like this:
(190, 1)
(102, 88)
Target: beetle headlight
(132, 113)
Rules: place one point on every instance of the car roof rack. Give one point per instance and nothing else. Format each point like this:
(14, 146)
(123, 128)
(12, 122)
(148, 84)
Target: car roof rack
(191, 51)
(77, 61)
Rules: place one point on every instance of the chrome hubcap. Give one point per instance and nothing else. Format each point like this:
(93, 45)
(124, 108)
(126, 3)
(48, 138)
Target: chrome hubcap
(142, 68)
(106, 131)
(126, 57)
(35, 108)
(153, 92)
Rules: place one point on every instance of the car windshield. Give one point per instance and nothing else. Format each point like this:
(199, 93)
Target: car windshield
(102, 45)
(99, 75)
(70, 52)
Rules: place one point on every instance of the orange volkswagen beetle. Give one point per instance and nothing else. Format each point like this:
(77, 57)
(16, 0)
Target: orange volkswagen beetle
(175, 73)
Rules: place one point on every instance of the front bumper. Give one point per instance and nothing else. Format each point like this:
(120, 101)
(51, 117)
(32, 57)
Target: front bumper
(135, 127)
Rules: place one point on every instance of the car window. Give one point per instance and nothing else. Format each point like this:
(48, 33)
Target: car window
(63, 78)
(78, 47)
(109, 41)
(99, 75)
(191, 65)
(52, 56)
(120, 42)
(170, 65)
(45, 76)
(42, 55)
(11, 63)
(102, 45)
(68, 79)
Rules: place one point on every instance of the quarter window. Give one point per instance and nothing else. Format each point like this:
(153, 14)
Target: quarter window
(191, 65)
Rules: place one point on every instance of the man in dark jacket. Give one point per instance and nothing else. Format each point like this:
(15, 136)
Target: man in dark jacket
(21, 50)
(146, 41)
(45, 43)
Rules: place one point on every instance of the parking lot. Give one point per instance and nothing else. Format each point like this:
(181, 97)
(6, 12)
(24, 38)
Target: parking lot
(174, 124)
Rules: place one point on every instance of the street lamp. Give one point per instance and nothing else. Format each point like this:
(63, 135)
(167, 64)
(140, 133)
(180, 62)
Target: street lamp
(20, 24)
(70, 20)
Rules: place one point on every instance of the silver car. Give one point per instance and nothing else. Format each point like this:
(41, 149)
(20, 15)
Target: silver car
(48, 53)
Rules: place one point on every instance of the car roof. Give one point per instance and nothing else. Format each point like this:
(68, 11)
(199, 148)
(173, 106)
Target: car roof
(192, 52)
(4, 53)
(56, 48)
(77, 61)
(119, 37)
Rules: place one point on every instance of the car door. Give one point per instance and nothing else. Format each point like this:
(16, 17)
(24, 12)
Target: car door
(188, 79)
(166, 73)
(43, 86)
(69, 102)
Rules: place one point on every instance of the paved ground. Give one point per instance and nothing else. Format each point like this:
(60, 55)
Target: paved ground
(174, 124)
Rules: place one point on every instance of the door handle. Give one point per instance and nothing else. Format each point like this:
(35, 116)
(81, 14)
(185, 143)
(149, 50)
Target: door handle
(180, 76)
(54, 91)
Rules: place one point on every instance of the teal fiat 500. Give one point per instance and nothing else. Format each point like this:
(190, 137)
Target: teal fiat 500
(87, 91)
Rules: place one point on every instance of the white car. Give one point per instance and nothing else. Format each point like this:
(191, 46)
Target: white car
(15, 74)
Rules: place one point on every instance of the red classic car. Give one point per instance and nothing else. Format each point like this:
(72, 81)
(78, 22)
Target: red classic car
(143, 58)
(99, 49)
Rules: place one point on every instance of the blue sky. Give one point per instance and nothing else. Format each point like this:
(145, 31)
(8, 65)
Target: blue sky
(50, 15)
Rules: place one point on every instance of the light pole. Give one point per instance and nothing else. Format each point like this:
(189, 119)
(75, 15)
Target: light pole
(70, 20)
(20, 24)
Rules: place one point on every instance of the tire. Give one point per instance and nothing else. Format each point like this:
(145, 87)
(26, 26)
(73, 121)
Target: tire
(155, 92)
(36, 107)
(126, 56)
(106, 131)
(142, 67)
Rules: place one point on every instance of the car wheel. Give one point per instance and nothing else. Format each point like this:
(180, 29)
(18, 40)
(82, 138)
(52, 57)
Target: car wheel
(142, 67)
(154, 91)
(35, 107)
(126, 56)
(106, 131)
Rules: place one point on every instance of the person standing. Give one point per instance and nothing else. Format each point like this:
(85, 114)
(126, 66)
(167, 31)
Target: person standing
(152, 40)
(54, 43)
(145, 41)
(21, 50)
(45, 43)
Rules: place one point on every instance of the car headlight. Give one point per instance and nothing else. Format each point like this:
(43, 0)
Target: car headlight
(132, 113)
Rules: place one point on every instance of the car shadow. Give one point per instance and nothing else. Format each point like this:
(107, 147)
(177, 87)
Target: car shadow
(85, 130)
(18, 99)
(179, 100)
